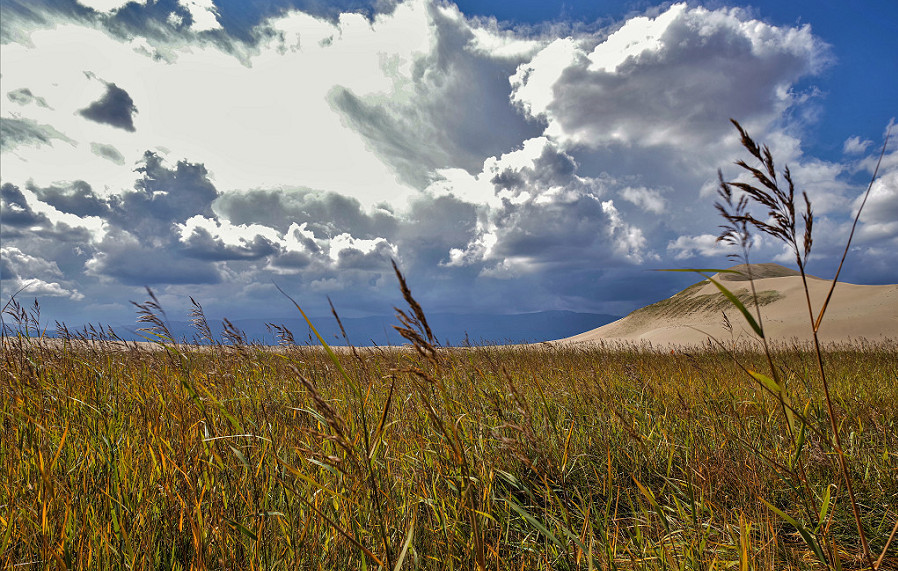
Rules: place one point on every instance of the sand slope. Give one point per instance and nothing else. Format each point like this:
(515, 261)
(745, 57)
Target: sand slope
(688, 318)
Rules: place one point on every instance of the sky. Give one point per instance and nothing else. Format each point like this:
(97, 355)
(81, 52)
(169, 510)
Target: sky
(511, 157)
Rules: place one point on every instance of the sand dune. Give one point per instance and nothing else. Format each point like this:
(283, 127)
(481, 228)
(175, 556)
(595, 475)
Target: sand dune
(696, 314)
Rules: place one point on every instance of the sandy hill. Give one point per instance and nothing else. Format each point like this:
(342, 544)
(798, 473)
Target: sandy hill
(697, 313)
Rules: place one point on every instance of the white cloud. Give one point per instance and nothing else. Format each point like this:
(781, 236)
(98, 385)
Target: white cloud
(879, 219)
(533, 83)
(32, 275)
(107, 5)
(638, 36)
(490, 40)
(646, 198)
(38, 287)
(23, 264)
(628, 240)
(673, 80)
(685, 247)
(229, 234)
(479, 249)
(204, 14)
(855, 146)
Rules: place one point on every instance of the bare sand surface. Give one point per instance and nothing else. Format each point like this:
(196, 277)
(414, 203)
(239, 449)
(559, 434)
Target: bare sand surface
(690, 318)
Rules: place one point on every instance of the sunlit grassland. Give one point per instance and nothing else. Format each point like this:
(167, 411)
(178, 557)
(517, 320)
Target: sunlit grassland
(540, 458)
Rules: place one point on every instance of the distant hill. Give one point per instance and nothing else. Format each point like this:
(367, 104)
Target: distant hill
(450, 329)
(700, 311)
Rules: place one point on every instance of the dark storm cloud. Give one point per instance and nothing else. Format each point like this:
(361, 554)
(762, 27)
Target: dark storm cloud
(7, 272)
(433, 227)
(107, 152)
(377, 259)
(115, 108)
(163, 197)
(325, 213)
(131, 262)
(15, 211)
(78, 199)
(15, 132)
(444, 126)
(551, 168)
(142, 242)
(202, 245)
(24, 96)
(561, 231)
(291, 261)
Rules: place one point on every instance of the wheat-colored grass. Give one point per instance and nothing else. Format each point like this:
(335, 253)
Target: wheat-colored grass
(545, 459)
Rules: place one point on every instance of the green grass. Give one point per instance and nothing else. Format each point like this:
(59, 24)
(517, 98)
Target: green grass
(536, 459)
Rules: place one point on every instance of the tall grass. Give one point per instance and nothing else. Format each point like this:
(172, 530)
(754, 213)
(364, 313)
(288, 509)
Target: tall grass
(543, 459)
(781, 211)
(119, 455)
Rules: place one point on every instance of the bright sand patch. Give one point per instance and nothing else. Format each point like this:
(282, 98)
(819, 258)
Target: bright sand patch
(855, 312)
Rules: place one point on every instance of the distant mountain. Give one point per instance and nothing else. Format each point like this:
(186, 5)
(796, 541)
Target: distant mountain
(450, 329)
(700, 312)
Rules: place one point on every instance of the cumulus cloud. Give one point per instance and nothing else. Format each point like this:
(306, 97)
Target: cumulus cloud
(670, 80)
(208, 239)
(685, 247)
(78, 199)
(17, 263)
(38, 287)
(880, 215)
(542, 213)
(361, 254)
(646, 198)
(15, 210)
(31, 274)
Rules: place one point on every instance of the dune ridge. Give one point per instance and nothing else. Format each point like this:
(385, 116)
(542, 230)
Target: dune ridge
(700, 312)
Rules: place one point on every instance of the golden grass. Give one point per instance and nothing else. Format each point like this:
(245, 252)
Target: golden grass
(547, 458)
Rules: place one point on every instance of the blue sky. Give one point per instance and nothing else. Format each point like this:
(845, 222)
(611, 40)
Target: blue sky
(511, 156)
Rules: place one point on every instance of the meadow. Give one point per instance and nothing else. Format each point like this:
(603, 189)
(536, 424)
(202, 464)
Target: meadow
(237, 456)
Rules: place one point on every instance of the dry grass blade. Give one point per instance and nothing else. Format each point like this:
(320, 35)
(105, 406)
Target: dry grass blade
(885, 548)
(780, 206)
(419, 318)
(200, 323)
(853, 227)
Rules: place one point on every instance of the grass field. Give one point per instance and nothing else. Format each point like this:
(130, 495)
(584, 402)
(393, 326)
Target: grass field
(543, 458)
